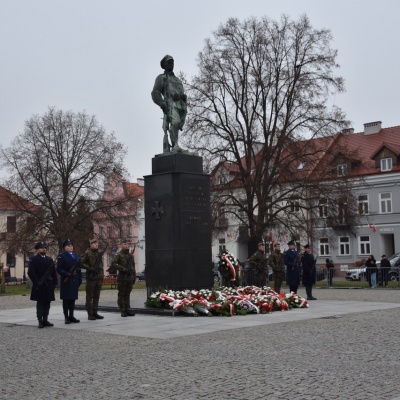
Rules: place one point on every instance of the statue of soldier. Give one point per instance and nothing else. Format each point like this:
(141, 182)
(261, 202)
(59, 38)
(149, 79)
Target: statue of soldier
(277, 263)
(124, 263)
(259, 263)
(169, 95)
(92, 261)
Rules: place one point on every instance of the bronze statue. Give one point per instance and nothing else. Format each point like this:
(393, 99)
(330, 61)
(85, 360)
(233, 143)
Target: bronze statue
(169, 95)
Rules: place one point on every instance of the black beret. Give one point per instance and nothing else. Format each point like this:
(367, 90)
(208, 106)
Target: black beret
(307, 246)
(291, 242)
(40, 245)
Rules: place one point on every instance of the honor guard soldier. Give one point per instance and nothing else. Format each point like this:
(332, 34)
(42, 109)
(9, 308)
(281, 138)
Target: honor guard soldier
(71, 278)
(42, 272)
(259, 264)
(124, 263)
(92, 261)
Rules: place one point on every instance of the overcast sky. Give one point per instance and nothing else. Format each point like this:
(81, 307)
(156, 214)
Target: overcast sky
(102, 57)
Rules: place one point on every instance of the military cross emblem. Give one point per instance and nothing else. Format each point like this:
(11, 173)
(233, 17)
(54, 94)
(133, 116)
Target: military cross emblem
(157, 210)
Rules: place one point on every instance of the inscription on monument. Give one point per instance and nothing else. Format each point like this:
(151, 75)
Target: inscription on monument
(195, 196)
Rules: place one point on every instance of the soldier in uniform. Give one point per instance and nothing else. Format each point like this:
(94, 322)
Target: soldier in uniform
(259, 264)
(92, 261)
(308, 262)
(124, 263)
(168, 94)
(42, 272)
(292, 267)
(71, 278)
(277, 264)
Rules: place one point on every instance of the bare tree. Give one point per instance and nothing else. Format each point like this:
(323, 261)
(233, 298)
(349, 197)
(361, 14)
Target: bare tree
(60, 163)
(260, 104)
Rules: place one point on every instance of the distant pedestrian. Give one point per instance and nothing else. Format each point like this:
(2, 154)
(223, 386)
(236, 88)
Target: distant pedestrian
(124, 263)
(277, 264)
(385, 267)
(329, 267)
(71, 278)
(308, 264)
(292, 267)
(42, 272)
(371, 271)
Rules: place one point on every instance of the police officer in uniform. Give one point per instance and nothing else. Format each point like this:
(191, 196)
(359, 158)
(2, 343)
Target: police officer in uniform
(124, 263)
(71, 278)
(42, 272)
(92, 261)
(259, 264)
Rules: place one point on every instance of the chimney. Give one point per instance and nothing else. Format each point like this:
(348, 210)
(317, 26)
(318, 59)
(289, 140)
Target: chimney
(348, 131)
(372, 127)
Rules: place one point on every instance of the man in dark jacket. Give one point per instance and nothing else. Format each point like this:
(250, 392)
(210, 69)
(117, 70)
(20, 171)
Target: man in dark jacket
(308, 264)
(71, 278)
(124, 263)
(42, 272)
(385, 267)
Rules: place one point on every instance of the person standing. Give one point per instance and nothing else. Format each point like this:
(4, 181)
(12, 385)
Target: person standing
(71, 278)
(371, 271)
(385, 267)
(124, 263)
(308, 264)
(292, 267)
(259, 263)
(277, 263)
(92, 261)
(329, 267)
(42, 272)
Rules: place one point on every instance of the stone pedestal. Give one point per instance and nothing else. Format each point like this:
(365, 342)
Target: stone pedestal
(177, 224)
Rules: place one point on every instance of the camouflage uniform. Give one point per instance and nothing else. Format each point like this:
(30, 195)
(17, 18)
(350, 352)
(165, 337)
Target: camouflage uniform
(277, 263)
(124, 263)
(94, 281)
(258, 261)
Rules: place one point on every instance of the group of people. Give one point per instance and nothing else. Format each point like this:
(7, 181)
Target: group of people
(43, 273)
(298, 266)
(375, 274)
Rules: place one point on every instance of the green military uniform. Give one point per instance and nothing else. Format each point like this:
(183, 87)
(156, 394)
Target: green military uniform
(124, 263)
(94, 281)
(278, 267)
(258, 261)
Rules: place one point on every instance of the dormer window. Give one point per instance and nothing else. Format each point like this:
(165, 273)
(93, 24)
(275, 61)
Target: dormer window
(386, 164)
(341, 170)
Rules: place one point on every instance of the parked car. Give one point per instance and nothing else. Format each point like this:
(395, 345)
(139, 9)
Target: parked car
(395, 267)
(356, 274)
(140, 276)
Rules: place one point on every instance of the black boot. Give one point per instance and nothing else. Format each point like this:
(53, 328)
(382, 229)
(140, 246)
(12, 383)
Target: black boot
(124, 313)
(46, 322)
(40, 319)
(97, 316)
(130, 313)
(66, 320)
(72, 318)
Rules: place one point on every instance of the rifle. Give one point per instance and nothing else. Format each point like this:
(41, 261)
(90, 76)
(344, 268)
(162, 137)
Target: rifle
(43, 279)
(71, 271)
(167, 116)
(95, 269)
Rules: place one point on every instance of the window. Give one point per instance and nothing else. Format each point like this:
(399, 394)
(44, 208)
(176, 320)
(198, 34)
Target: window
(324, 247)
(343, 213)
(323, 208)
(386, 202)
(129, 230)
(363, 204)
(294, 205)
(386, 164)
(121, 231)
(221, 246)
(11, 224)
(365, 245)
(341, 170)
(344, 246)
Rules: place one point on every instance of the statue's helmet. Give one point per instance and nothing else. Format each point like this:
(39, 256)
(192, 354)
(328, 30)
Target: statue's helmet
(164, 60)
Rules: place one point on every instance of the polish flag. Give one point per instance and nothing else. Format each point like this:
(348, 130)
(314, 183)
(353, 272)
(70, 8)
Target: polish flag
(373, 227)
